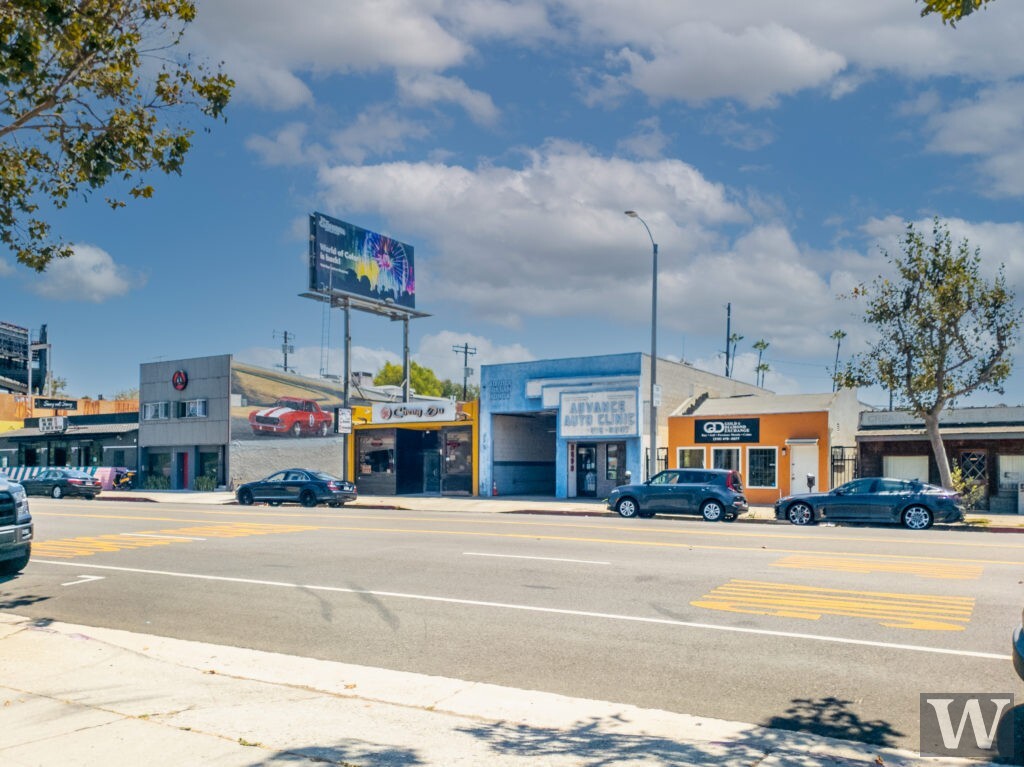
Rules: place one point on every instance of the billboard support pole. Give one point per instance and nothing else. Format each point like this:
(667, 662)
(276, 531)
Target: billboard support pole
(405, 358)
(348, 380)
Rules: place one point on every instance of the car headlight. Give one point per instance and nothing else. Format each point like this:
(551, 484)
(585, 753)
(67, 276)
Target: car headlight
(21, 507)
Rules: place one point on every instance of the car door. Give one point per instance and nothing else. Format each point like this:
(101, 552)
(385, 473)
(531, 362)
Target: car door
(852, 501)
(891, 495)
(690, 490)
(294, 483)
(661, 493)
(37, 485)
(270, 489)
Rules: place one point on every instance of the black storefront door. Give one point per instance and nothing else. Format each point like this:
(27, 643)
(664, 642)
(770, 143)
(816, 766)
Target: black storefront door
(418, 462)
(586, 471)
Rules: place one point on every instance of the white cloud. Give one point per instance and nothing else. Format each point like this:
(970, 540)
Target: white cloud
(5, 268)
(553, 229)
(276, 42)
(696, 62)
(287, 147)
(376, 132)
(647, 142)
(89, 274)
(989, 126)
(426, 89)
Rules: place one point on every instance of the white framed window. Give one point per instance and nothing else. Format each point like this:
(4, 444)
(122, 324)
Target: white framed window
(156, 411)
(690, 458)
(725, 458)
(192, 408)
(762, 467)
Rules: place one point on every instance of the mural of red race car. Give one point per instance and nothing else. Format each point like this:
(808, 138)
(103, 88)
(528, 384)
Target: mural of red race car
(292, 416)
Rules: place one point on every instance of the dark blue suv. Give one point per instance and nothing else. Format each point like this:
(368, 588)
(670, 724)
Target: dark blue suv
(715, 494)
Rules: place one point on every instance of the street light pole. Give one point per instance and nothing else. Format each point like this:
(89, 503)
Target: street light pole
(652, 462)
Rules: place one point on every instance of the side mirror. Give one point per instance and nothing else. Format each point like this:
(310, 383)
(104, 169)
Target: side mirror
(838, 491)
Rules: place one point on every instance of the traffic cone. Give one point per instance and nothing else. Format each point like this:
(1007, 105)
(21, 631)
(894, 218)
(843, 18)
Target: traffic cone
(494, 487)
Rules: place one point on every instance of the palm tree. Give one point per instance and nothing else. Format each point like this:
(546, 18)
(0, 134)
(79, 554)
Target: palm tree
(761, 368)
(838, 337)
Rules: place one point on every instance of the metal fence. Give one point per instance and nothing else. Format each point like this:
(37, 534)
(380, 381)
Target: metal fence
(844, 465)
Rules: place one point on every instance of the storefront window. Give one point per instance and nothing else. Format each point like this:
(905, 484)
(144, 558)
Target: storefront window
(611, 463)
(376, 454)
(725, 458)
(691, 458)
(761, 464)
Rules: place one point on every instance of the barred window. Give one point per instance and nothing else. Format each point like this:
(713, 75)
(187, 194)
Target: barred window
(761, 462)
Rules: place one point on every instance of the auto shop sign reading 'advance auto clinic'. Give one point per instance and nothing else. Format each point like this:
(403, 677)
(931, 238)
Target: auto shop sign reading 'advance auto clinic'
(727, 430)
(597, 414)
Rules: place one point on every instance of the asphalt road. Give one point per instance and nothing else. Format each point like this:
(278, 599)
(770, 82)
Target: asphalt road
(836, 630)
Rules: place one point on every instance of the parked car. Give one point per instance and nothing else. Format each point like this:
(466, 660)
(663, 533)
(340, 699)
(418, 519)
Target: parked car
(912, 503)
(15, 527)
(715, 494)
(1018, 648)
(303, 486)
(58, 483)
(292, 416)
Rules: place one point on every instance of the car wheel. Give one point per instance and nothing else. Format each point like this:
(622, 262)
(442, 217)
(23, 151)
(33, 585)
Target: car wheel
(325, 429)
(917, 518)
(245, 496)
(296, 429)
(627, 507)
(800, 514)
(15, 566)
(56, 492)
(307, 499)
(712, 511)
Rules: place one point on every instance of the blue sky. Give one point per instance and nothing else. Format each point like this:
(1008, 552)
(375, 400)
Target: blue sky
(774, 148)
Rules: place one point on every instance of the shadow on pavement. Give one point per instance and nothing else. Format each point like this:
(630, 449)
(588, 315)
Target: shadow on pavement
(596, 744)
(354, 754)
(832, 718)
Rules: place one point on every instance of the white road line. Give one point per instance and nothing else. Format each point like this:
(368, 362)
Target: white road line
(175, 537)
(83, 579)
(544, 559)
(549, 610)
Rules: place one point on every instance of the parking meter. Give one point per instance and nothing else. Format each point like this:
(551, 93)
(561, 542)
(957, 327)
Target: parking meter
(810, 483)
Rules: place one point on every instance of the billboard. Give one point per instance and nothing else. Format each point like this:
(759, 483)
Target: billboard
(348, 259)
(274, 407)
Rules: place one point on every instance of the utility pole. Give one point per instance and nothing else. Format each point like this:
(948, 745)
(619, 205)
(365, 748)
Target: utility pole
(465, 350)
(286, 348)
(728, 336)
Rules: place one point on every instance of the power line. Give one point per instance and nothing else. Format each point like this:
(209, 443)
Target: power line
(465, 350)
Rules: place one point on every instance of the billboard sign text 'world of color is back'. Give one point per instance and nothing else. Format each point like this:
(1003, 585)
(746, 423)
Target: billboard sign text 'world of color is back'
(346, 259)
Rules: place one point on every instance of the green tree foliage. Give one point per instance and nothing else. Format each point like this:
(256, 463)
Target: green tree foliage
(952, 11)
(127, 394)
(422, 380)
(450, 388)
(83, 87)
(944, 331)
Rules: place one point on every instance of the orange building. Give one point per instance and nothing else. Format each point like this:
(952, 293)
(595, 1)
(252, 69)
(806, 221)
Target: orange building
(780, 443)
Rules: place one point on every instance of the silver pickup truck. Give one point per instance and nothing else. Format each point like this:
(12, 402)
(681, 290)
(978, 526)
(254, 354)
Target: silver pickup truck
(15, 527)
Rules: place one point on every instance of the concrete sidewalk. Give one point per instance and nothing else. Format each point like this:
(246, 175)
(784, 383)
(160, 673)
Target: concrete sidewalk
(523, 504)
(105, 698)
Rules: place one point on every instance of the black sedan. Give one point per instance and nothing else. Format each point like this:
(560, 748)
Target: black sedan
(58, 483)
(911, 503)
(303, 486)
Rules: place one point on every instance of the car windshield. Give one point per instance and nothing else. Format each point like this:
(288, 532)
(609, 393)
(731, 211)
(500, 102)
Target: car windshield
(76, 474)
(324, 477)
(289, 403)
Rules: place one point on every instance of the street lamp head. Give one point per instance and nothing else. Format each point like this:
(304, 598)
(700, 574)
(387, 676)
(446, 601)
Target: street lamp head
(632, 214)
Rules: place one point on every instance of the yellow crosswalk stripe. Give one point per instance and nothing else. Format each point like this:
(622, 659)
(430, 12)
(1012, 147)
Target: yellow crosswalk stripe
(86, 546)
(911, 611)
(909, 566)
